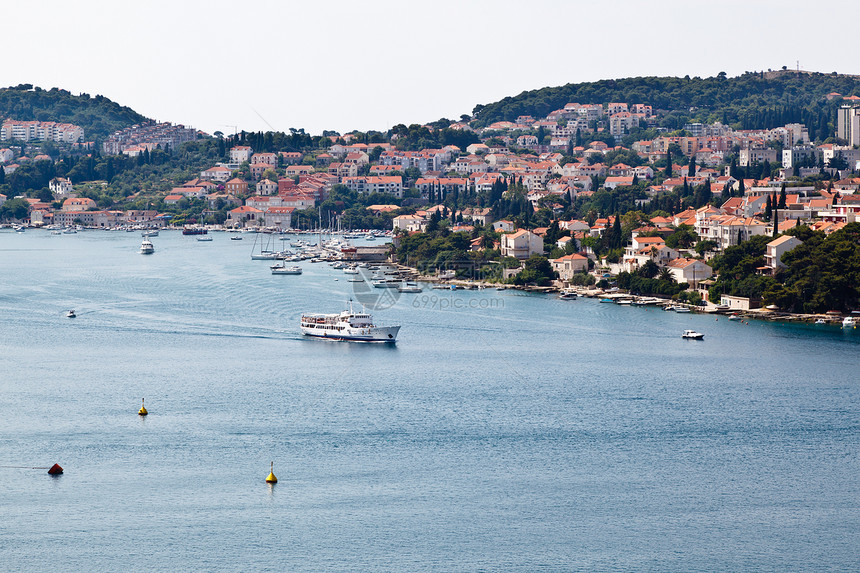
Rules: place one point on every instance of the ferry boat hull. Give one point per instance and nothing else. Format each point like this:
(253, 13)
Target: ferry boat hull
(384, 334)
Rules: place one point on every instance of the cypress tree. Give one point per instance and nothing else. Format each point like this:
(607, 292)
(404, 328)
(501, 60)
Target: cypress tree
(668, 163)
(768, 208)
(741, 188)
(691, 169)
(775, 222)
(616, 232)
(782, 198)
(2, 176)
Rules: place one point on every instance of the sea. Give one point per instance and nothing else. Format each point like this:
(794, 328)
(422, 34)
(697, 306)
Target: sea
(504, 431)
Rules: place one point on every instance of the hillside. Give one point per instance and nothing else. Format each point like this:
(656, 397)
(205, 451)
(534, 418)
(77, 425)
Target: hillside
(752, 100)
(98, 115)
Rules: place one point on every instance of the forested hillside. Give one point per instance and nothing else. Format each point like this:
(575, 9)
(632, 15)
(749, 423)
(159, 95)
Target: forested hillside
(98, 115)
(749, 101)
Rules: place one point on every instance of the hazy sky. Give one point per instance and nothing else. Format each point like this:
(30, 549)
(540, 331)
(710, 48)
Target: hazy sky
(369, 65)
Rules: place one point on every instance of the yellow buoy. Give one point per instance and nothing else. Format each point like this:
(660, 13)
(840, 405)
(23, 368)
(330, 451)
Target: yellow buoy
(271, 477)
(142, 411)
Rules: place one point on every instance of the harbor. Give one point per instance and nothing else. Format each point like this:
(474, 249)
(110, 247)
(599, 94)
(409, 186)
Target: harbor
(560, 426)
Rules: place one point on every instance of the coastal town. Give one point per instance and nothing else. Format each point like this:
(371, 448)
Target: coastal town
(672, 202)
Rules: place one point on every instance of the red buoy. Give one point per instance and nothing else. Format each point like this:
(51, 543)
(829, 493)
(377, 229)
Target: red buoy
(55, 470)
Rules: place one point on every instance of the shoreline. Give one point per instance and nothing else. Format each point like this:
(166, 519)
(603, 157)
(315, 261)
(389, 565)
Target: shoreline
(762, 314)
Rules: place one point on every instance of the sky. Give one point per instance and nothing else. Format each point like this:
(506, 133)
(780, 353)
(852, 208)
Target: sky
(220, 65)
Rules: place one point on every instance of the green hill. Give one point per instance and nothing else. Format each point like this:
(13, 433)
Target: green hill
(752, 100)
(98, 115)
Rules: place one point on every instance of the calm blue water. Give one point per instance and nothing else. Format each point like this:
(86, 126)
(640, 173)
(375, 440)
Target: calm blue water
(503, 432)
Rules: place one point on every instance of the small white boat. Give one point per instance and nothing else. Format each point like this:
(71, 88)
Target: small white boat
(203, 238)
(820, 321)
(410, 287)
(149, 233)
(682, 309)
(71, 314)
(55, 232)
(734, 317)
(849, 322)
(355, 280)
(236, 238)
(386, 283)
(567, 295)
(693, 335)
(146, 247)
(284, 270)
(350, 271)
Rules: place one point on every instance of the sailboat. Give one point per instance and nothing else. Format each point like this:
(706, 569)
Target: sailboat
(265, 254)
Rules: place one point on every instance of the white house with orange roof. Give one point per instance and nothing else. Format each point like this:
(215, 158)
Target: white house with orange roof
(60, 186)
(267, 187)
(244, 216)
(503, 226)
(569, 265)
(778, 247)
(388, 184)
(521, 244)
(690, 271)
(240, 153)
(217, 173)
(409, 223)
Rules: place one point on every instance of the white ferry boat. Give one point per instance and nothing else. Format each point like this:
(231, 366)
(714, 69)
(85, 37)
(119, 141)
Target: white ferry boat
(347, 325)
(146, 247)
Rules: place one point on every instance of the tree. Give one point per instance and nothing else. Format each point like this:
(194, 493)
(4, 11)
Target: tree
(684, 237)
(538, 270)
(668, 163)
(691, 169)
(782, 198)
(14, 209)
(649, 270)
(768, 208)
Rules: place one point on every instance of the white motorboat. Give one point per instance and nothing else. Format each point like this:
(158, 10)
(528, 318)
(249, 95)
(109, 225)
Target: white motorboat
(149, 233)
(204, 238)
(350, 271)
(849, 322)
(284, 270)
(567, 295)
(692, 335)
(71, 314)
(236, 238)
(820, 321)
(146, 247)
(734, 317)
(347, 326)
(410, 287)
(386, 283)
(682, 309)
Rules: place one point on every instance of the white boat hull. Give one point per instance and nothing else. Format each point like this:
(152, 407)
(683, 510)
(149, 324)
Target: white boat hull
(374, 334)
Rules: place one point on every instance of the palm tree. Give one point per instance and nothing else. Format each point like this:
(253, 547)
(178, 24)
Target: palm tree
(665, 275)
